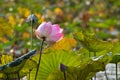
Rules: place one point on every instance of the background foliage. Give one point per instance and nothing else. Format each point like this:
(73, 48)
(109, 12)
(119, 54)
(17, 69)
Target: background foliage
(91, 29)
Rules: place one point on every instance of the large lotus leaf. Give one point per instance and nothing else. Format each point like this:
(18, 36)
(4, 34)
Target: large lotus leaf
(90, 42)
(7, 70)
(97, 45)
(115, 58)
(26, 68)
(85, 71)
(82, 36)
(12, 72)
(71, 74)
(14, 67)
(116, 48)
(56, 75)
(79, 36)
(29, 65)
(64, 44)
(51, 61)
(84, 53)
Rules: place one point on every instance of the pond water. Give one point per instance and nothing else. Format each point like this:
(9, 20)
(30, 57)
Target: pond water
(111, 72)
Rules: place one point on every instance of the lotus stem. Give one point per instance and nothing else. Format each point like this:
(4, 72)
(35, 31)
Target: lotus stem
(7, 77)
(89, 57)
(40, 54)
(31, 35)
(64, 75)
(91, 78)
(31, 41)
(95, 77)
(106, 74)
(95, 57)
(29, 74)
(18, 76)
(116, 72)
(89, 54)
(95, 54)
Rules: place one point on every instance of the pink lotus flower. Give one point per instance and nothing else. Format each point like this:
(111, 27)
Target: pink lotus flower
(51, 33)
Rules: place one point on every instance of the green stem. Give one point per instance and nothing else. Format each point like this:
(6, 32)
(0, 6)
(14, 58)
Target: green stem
(31, 40)
(29, 74)
(106, 74)
(7, 77)
(18, 76)
(40, 54)
(95, 77)
(116, 72)
(89, 57)
(64, 75)
(89, 54)
(95, 57)
(95, 54)
(31, 35)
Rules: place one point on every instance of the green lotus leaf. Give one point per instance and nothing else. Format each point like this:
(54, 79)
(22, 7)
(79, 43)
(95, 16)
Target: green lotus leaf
(50, 62)
(18, 66)
(116, 48)
(27, 66)
(77, 69)
(84, 71)
(115, 58)
(90, 42)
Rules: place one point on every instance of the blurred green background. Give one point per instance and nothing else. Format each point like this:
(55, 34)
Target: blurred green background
(99, 19)
(99, 16)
